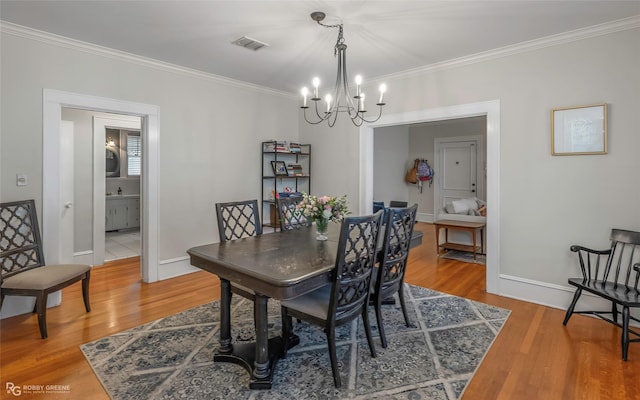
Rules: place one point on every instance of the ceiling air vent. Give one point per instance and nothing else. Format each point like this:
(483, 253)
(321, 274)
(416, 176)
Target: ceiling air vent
(249, 43)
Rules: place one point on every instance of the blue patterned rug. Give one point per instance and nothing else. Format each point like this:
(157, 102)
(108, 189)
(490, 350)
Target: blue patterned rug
(171, 358)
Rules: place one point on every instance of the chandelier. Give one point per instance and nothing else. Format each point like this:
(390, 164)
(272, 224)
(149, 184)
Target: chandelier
(341, 101)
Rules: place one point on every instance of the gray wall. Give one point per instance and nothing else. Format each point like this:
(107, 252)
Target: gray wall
(210, 129)
(547, 203)
(391, 146)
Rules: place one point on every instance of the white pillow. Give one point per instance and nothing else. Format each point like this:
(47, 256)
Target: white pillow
(462, 206)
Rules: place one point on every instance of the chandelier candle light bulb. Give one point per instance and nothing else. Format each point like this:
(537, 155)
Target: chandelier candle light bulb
(328, 99)
(383, 88)
(316, 84)
(358, 83)
(305, 92)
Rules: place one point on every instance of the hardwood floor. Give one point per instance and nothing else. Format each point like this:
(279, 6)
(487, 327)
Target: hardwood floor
(534, 357)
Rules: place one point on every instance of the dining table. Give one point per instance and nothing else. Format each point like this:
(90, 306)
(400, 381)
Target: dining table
(278, 265)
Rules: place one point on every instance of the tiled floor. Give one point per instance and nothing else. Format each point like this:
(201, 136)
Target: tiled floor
(121, 245)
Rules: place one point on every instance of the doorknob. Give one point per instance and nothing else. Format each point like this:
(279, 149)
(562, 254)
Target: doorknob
(68, 205)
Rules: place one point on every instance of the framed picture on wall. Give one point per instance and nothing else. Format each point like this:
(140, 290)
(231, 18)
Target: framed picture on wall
(279, 168)
(579, 130)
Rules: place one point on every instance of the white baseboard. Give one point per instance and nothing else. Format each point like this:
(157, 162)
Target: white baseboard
(552, 295)
(175, 267)
(83, 257)
(16, 305)
(423, 217)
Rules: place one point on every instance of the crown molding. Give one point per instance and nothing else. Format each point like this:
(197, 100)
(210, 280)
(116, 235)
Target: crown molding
(523, 47)
(90, 48)
(531, 45)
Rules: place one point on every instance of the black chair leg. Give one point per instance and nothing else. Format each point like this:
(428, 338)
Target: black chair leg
(85, 292)
(367, 330)
(625, 332)
(614, 312)
(576, 296)
(1, 300)
(41, 310)
(331, 342)
(378, 309)
(403, 305)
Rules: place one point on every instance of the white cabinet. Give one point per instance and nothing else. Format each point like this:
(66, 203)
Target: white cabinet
(122, 213)
(133, 213)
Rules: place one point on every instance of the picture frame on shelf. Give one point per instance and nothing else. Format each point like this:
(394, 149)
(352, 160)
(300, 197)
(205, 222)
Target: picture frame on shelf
(579, 130)
(279, 168)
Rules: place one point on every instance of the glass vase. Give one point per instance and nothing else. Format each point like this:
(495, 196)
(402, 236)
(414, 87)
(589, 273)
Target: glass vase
(322, 225)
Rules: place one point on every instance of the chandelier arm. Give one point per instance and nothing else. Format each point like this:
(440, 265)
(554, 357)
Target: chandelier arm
(311, 122)
(320, 117)
(373, 120)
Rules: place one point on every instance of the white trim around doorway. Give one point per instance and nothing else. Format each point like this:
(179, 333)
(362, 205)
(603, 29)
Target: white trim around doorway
(53, 102)
(492, 111)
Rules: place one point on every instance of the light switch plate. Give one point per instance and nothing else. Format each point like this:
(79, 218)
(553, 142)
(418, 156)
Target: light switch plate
(21, 180)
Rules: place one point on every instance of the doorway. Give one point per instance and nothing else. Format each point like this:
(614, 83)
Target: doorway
(120, 235)
(53, 102)
(459, 162)
(490, 109)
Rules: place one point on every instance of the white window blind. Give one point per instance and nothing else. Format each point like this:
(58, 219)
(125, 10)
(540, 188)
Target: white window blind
(134, 155)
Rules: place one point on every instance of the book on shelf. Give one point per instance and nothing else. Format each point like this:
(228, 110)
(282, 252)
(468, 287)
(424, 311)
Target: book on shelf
(295, 170)
(294, 147)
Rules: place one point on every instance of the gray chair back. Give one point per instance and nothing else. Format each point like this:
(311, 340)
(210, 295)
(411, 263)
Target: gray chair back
(238, 219)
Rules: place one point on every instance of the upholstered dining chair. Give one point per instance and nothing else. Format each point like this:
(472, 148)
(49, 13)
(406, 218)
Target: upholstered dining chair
(24, 272)
(392, 263)
(290, 217)
(347, 297)
(238, 220)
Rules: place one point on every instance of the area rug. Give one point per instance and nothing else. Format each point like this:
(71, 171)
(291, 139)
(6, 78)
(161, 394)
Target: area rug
(465, 256)
(434, 359)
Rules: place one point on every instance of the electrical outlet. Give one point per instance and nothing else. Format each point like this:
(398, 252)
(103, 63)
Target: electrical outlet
(21, 180)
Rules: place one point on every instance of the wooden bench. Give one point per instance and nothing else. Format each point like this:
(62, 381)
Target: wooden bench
(613, 275)
(471, 227)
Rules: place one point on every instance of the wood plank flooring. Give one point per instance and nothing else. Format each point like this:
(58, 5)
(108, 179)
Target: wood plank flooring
(534, 357)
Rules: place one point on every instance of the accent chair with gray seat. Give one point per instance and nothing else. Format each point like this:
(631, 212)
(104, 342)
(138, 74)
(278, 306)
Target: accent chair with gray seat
(347, 297)
(24, 272)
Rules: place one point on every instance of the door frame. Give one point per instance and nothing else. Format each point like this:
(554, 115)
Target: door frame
(491, 109)
(437, 144)
(53, 102)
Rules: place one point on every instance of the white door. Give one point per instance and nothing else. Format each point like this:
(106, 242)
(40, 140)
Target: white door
(457, 170)
(66, 193)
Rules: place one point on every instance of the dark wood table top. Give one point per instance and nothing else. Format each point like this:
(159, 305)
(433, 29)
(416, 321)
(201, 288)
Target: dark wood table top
(279, 265)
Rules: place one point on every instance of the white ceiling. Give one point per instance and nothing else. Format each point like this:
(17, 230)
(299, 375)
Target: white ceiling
(383, 37)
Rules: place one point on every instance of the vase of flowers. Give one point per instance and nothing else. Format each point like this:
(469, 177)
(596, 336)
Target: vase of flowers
(323, 209)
